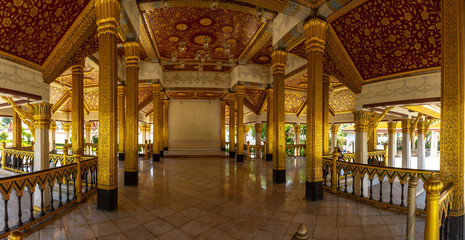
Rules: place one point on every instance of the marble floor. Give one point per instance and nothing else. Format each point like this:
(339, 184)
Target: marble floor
(220, 199)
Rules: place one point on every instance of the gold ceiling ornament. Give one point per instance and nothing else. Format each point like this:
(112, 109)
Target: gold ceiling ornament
(206, 21)
(173, 39)
(108, 13)
(209, 94)
(374, 121)
(42, 113)
(219, 49)
(315, 35)
(361, 120)
(392, 126)
(413, 125)
(181, 94)
(181, 27)
(231, 41)
(227, 29)
(263, 58)
(202, 38)
(26, 116)
(131, 53)
(278, 59)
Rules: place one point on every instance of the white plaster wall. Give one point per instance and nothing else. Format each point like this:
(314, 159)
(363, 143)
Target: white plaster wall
(197, 79)
(194, 124)
(17, 77)
(401, 89)
(250, 73)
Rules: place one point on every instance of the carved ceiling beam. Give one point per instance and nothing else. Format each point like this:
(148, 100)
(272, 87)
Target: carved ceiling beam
(261, 37)
(145, 102)
(61, 101)
(262, 106)
(374, 121)
(336, 51)
(302, 109)
(424, 110)
(331, 111)
(86, 108)
(251, 106)
(80, 31)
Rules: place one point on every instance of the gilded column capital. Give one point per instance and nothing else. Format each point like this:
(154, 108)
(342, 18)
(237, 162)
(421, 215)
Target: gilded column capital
(269, 93)
(53, 126)
(421, 126)
(162, 98)
(166, 103)
(42, 113)
(108, 12)
(88, 126)
(258, 127)
(156, 88)
(232, 97)
(121, 90)
(278, 61)
(406, 125)
(223, 103)
(315, 35)
(297, 128)
(240, 90)
(392, 126)
(131, 54)
(326, 78)
(361, 120)
(77, 67)
(246, 128)
(66, 127)
(335, 128)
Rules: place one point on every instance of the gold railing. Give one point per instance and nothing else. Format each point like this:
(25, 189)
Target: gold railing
(91, 149)
(295, 150)
(45, 189)
(255, 152)
(364, 178)
(17, 160)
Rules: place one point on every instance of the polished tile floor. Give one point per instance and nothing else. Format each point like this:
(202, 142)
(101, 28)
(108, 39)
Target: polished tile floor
(219, 199)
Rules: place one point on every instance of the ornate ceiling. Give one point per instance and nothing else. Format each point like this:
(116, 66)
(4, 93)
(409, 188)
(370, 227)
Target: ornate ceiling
(263, 56)
(193, 67)
(391, 37)
(196, 94)
(30, 30)
(193, 24)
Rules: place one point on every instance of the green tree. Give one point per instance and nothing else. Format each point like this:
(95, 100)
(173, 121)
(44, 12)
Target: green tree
(94, 139)
(28, 137)
(3, 136)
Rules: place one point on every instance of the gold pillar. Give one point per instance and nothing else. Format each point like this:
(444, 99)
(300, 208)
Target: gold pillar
(67, 129)
(165, 124)
(326, 149)
(297, 128)
(334, 131)
(279, 58)
(269, 124)
(232, 125)
(17, 130)
(108, 12)
(88, 128)
(131, 154)
(77, 117)
(315, 35)
(433, 187)
(453, 110)
(53, 128)
(121, 120)
(240, 123)
(160, 122)
(223, 125)
(258, 134)
(373, 140)
(156, 89)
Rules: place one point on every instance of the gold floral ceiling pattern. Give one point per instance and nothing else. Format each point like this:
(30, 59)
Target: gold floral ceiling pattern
(192, 25)
(342, 101)
(293, 101)
(263, 56)
(90, 76)
(31, 29)
(391, 37)
(300, 83)
(253, 98)
(91, 98)
(144, 93)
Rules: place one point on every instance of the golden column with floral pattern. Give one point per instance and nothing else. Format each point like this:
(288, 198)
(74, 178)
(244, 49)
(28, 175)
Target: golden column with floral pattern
(121, 120)
(165, 124)
(108, 12)
(258, 134)
(240, 123)
(156, 89)
(315, 35)
(232, 125)
(361, 121)
(17, 130)
(269, 124)
(161, 102)
(278, 59)
(77, 116)
(131, 154)
(453, 110)
(88, 128)
(223, 125)
(326, 149)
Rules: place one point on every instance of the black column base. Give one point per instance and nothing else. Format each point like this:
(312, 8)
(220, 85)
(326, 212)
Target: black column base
(455, 227)
(314, 191)
(121, 156)
(165, 148)
(223, 149)
(239, 157)
(269, 157)
(155, 157)
(131, 178)
(232, 154)
(107, 200)
(162, 153)
(279, 175)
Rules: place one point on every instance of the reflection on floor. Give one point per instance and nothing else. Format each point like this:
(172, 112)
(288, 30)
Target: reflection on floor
(220, 199)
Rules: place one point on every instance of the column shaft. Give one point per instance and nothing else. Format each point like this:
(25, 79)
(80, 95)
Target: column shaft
(77, 117)
(361, 119)
(53, 127)
(88, 128)
(160, 122)
(240, 123)
(108, 12)
(165, 124)
(17, 130)
(421, 155)
(223, 126)
(156, 88)
(258, 134)
(334, 131)
(269, 125)
(315, 35)
(121, 120)
(232, 125)
(392, 144)
(326, 150)
(406, 151)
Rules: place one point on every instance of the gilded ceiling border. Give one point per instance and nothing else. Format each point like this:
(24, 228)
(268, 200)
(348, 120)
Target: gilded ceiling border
(348, 7)
(402, 74)
(257, 42)
(81, 29)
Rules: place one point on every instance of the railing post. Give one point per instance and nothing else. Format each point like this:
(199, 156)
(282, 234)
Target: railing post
(411, 206)
(3, 155)
(334, 175)
(15, 235)
(65, 153)
(433, 187)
